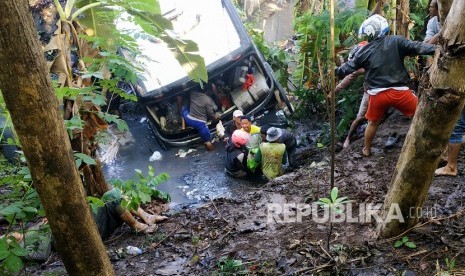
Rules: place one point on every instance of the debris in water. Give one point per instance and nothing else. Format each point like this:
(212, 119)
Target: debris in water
(155, 156)
(182, 153)
(110, 153)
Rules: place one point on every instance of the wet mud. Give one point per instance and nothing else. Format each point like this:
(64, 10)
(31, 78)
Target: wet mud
(239, 229)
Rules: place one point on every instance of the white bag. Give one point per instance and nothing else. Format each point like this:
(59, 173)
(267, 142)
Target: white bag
(220, 129)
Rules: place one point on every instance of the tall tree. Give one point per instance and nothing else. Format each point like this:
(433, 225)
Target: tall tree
(37, 118)
(439, 108)
(403, 18)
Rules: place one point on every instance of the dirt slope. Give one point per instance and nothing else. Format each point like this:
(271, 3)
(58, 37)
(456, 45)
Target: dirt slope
(194, 241)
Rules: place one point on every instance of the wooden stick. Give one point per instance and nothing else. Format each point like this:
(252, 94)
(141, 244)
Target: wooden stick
(218, 211)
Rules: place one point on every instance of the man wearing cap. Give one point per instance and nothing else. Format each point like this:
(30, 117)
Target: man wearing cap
(288, 139)
(247, 126)
(272, 154)
(234, 125)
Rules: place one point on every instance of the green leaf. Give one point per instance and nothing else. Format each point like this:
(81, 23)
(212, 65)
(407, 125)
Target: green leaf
(4, 254)
(97, 201)
(334, 193)
(398, 243)
(30, 209)
(98, 100)
(13, 263)
(78, 162)
(3, 244)
(19, 251)
(85, 158)
(157, 180)
(404, 239)
(324, 201)
(98, 75)
(341, 200)
(186, 52)
(410, 245)
(145, 197)
(24, 171)
(10, 210)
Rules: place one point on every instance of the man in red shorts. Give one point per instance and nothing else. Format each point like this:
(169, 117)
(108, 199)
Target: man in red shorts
(386, 77)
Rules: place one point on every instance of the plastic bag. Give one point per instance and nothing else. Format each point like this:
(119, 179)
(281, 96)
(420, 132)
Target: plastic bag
(220, 129)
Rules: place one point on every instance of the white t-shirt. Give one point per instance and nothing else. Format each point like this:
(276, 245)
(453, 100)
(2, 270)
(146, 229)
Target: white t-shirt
(432, 28)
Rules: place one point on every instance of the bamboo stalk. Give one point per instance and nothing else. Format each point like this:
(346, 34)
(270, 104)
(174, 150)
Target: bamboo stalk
(333, 96)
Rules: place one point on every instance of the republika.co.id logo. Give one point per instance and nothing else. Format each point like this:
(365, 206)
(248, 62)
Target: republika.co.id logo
(348, 212)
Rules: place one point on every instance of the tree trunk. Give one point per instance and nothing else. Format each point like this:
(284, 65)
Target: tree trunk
(403, 18)
(37, 119)
(444, 7)
(438, 111)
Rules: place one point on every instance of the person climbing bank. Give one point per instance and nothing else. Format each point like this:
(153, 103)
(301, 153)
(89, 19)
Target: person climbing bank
(386, 77)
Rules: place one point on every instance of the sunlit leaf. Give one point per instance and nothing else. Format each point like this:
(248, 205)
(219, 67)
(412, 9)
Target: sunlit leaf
(334, 193)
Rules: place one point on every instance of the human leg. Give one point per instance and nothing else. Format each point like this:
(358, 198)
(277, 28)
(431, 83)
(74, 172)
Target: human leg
(352, 129)
(453, 149)
(450, 169)
(129, 219)
(370, 132)
(291, 156)
(148, 218)
(202, 129)
(206, 137)
(377, 106)
(405, 101)
(362, 110)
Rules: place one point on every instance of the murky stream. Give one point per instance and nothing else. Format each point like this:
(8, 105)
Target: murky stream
(197, 177)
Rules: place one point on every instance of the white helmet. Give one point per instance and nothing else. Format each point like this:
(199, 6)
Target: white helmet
(373, 27)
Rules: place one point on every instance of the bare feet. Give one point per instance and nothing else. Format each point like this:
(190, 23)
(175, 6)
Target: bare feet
(446, 171)
(366, 152)
(152, 219)
(346, 142)
(209, 146)
(145, 228)
(146, 217)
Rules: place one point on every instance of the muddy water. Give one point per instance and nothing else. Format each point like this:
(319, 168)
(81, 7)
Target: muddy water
(197, 177)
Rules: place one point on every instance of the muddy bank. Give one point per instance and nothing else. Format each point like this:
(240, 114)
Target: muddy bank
(239, 235)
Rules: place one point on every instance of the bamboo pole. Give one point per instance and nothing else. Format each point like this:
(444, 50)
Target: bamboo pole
(333, 96)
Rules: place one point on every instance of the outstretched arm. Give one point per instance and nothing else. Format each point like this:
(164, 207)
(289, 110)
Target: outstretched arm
(347, 80)
(346, 69)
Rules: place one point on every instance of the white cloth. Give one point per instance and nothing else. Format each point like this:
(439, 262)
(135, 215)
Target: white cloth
(375, 91)
(432, 28)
